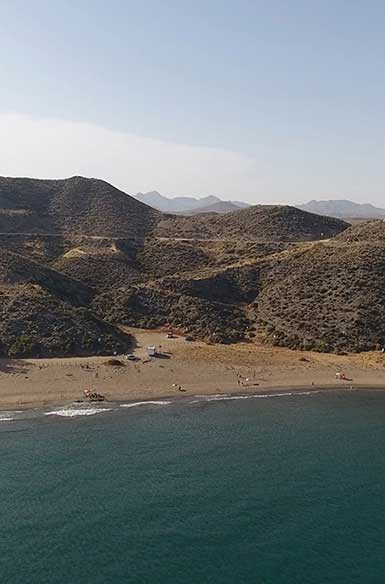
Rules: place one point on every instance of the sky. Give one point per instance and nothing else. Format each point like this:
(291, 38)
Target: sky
(262, 101)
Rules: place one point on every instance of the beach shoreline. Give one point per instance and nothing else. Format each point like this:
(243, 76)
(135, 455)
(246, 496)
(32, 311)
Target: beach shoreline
(183, 369)
(278, 391)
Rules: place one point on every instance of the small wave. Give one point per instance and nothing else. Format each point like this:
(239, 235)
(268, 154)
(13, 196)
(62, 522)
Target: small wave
(73, 412)
(224, 397)
(146, 403)
(287, 394)
(212, 395)
(9, 416)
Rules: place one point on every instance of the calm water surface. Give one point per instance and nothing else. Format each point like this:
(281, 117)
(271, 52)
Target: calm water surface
(279, 490)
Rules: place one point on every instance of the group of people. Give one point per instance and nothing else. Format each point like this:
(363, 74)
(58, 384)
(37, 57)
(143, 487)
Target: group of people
(342, 376)
(178, 387)
(93, 395)
(241, 380)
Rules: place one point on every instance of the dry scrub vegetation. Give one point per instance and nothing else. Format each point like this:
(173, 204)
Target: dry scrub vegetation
(80, 258)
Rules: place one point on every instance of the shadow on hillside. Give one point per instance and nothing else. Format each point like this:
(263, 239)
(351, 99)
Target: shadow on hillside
(132, 344)
(14, 366)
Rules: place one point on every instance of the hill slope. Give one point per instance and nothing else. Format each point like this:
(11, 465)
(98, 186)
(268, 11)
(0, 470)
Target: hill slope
(72, 206)
(44, 312)
(260, 271)
(370, 231)
(261, 222)
(329, 297)
(34, 322)
(90, 207)
(326, 296)
(16, 270)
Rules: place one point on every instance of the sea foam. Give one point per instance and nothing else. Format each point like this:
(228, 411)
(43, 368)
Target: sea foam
(146, 403)
(8, 416)
(72, 412)
(228, 397)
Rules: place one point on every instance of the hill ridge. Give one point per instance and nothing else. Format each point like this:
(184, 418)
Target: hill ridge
(77, 205)
(343, 208)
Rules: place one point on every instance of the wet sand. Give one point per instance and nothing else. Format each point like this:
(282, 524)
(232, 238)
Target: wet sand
(194, 367)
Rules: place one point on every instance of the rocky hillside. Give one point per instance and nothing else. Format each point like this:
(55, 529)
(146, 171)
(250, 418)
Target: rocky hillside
(261, 222)
(326, 297)
(277, 274)
(329, 298)
(44, 312)
(16, 270)
(152, 307)
(89, 207)
(74, 206)
(106, 264)
(34, 322)
(370, 231)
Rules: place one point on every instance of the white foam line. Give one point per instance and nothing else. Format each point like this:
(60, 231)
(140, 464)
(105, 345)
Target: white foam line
(8, 416)
(219, 397)
(145, 403)
(213, 395)
(73, 412)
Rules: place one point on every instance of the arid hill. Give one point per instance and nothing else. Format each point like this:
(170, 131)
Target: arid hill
(79, 259)
(261, 222)
(89, 207)
(16, 270)
(370, 231)
(74, 206)
(326, 296)
(34, 322)
(105, 262)
(329, 297)
(108, 264)
(44, 312)
(152, 307)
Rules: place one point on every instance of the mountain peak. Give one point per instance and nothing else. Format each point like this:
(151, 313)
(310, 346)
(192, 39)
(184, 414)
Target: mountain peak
(183, 204)
(76, 205)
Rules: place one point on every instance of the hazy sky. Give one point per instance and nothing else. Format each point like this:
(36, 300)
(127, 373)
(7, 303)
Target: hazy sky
(263, 101)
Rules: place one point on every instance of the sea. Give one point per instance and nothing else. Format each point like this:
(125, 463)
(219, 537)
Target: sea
(280, 488)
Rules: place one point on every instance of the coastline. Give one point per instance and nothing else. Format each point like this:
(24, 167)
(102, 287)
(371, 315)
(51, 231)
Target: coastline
(70, 410)
(194, 367)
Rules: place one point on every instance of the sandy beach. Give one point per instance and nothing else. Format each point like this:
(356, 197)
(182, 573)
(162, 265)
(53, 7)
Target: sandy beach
(183, 368)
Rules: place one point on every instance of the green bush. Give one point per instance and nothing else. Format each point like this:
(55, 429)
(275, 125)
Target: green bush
(22, 346)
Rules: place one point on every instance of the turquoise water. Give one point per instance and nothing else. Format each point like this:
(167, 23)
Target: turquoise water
(279, 490)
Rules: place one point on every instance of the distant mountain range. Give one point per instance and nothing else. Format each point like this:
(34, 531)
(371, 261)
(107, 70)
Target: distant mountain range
(343, 209)
(189, 205)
